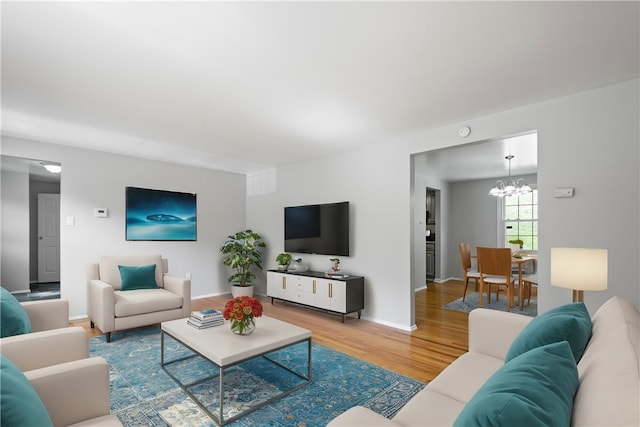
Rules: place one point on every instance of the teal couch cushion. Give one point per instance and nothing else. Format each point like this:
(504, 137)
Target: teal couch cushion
(138, 277)
(570, 322)
(20, 403)
(535, 389)
(14, 319)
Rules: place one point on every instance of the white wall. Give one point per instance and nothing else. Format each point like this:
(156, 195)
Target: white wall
(14, 228)
(376, 183)
(588, 141)
(92, 179)
(423, 177)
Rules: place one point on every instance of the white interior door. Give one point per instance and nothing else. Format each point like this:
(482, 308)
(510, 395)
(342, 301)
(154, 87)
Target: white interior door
(48, 238)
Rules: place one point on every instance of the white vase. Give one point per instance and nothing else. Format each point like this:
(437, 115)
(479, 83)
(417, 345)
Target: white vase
(240, 291)
(515, 248)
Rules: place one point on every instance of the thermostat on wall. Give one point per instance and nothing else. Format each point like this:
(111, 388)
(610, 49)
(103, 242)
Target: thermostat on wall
(100, 212)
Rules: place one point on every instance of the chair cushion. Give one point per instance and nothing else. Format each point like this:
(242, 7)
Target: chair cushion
(20, 403)
(473, 273)
(497, 279)
(13, 317)
(533, 389)
(570, 322)
(142, 301)
(137, 277)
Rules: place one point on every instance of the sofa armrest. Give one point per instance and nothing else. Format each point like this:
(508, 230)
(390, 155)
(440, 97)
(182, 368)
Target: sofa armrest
(182, 287)
(47, 314)
(359, 416)
(491, 332)
(46, 348)
(101, 304)
(74, 391)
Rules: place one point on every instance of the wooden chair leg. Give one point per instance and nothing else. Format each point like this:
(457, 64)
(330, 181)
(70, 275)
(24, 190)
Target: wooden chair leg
(521, 295)
(480, 294)
(466, 285)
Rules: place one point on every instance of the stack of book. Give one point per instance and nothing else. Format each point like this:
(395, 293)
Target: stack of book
(205, 318)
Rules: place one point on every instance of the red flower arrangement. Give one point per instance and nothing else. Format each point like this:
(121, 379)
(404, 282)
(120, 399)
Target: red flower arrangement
(242, 311)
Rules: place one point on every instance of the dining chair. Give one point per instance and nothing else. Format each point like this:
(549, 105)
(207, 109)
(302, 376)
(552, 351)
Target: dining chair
(528, 282)
(494, 265)
(470, 273)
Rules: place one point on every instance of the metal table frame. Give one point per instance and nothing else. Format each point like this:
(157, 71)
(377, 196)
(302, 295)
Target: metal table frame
(220, 420)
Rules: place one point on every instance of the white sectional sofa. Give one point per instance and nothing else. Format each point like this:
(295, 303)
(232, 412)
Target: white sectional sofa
(607, 377)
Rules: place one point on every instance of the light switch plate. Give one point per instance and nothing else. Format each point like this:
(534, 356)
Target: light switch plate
(563, 192)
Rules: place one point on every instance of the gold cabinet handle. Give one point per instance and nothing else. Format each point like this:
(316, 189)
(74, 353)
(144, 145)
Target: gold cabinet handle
(284, 282)
(330, 290)
(314, 286)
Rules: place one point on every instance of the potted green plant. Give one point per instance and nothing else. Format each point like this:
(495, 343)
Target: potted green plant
(242, 253)
(518, 242)
(516, 247)
(284, 260)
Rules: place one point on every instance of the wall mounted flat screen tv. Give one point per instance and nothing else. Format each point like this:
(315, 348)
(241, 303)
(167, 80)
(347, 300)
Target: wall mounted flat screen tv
(317, 229)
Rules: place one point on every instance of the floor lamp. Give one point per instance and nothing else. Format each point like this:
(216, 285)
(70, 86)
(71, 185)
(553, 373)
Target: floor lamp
(579, 269)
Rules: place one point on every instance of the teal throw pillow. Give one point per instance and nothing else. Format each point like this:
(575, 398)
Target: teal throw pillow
(137, 277)
(20, 403)
(14, 319)
(570, 322)
(535, 389)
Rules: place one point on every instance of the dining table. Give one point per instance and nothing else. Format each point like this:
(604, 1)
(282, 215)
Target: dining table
(520, 260)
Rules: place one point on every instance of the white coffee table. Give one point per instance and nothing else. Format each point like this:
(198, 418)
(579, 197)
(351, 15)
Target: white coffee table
(225, 349)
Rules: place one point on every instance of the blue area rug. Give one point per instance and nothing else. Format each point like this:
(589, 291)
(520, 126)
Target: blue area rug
(142, 394)
(471, 302)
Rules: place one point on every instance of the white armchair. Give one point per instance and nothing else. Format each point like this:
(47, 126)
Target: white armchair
(113, 308)
(48, 314)
(51, 341)
(75, 393)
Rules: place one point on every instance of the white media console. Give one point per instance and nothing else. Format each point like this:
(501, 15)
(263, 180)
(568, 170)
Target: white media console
(341, 295)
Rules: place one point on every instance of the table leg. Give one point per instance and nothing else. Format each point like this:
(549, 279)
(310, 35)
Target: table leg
(309, 360)
(221, 388)
(161, 348)
(520, 285)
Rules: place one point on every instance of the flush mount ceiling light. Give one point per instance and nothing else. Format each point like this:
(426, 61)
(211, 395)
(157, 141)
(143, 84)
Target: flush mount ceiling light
(512, 187)
(53, 168)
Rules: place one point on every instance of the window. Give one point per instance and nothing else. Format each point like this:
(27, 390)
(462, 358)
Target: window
(520, 218)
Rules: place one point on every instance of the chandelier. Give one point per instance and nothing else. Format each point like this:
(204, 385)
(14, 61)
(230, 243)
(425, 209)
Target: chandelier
(512, 187)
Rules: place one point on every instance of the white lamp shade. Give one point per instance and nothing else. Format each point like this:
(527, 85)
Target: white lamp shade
(579, 269)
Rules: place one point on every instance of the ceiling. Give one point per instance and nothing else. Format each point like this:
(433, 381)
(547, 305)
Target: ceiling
(248, 86)
(484, 159)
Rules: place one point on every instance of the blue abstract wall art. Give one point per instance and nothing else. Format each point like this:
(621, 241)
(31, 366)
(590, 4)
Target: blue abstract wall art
(160, 215)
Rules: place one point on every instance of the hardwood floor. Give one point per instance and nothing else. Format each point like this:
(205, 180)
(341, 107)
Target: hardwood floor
(422, 354)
